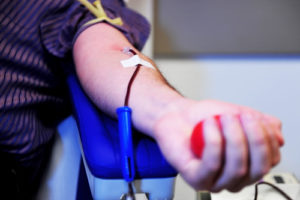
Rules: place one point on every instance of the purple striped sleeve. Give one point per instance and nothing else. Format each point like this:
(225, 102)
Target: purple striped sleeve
(60, 28)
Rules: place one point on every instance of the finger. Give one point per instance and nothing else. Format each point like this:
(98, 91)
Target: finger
(277, 128)
(259, 147)
(275, 153)
(236, 161)
(210, 164)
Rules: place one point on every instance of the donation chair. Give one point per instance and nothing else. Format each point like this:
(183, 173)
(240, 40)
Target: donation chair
(100, 150)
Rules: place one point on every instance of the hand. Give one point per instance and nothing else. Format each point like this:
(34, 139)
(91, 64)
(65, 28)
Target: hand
(239, 154)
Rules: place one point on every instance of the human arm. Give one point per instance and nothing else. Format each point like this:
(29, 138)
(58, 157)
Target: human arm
(162, 113)
(97, 55)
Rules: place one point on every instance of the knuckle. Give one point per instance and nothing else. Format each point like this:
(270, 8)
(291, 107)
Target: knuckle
(239, 147)
(214, 150)
(238, 168)
(215, 142)
(214, 167)
(241, 172)
(258, 141)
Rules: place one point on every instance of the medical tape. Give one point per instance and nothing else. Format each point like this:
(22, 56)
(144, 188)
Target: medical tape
(135, 61)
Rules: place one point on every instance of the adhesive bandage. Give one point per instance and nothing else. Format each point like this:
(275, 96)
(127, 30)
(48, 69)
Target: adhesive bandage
(134, 61)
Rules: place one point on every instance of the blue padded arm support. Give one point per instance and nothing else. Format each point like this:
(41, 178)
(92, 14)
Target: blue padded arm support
(100, 142)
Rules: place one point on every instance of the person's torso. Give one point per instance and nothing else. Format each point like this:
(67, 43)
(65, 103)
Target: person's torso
(31, 88)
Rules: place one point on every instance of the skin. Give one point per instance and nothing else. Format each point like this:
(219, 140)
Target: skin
(252, 139)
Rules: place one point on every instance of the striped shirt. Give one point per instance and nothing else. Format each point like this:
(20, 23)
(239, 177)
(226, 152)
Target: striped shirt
(36, 37)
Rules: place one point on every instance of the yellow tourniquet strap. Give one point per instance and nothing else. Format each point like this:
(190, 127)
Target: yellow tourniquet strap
(97, 10)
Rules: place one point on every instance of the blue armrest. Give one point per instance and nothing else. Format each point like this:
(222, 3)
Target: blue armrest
(100, 142)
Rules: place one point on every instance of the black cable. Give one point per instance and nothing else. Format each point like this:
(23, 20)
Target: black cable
(273, 186)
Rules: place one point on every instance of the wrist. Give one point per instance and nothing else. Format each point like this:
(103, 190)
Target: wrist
(174, 106)
(148, 112)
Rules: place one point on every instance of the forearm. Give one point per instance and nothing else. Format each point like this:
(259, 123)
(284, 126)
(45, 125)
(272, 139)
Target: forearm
(244, 137)
(97, 55)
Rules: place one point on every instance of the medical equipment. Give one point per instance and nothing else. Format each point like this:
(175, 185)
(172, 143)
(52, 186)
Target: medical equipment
(124, 121)
(101, 153)
(273, 186)
(127, 158)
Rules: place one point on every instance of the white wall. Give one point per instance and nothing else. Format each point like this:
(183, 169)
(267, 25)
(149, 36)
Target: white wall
(145, 8)
(231, 26)
(269, 85)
